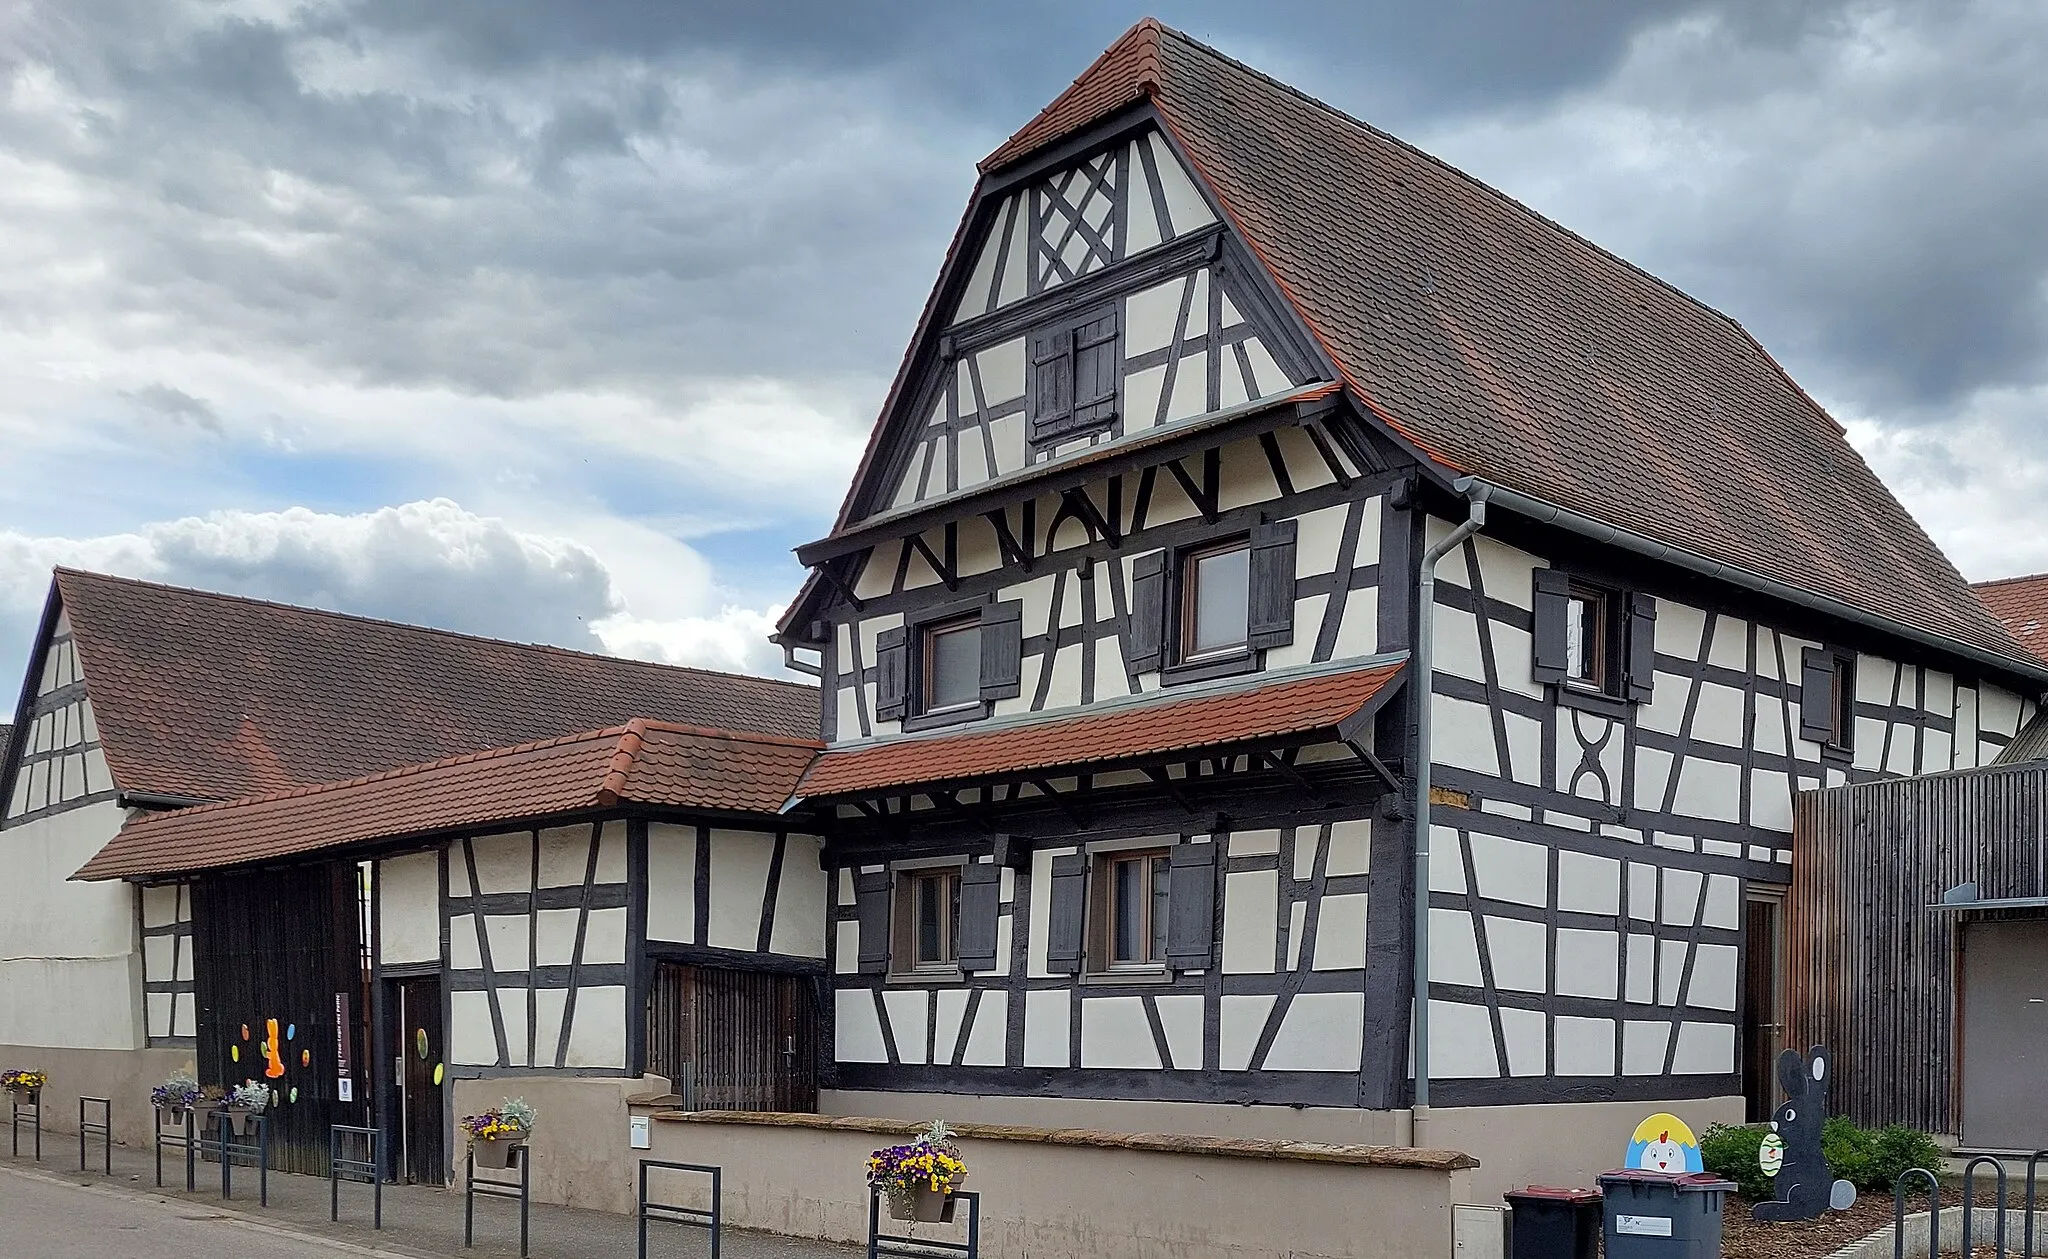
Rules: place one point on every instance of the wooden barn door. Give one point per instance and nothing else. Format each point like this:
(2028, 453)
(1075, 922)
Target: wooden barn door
(277, 974)
(735, 1039)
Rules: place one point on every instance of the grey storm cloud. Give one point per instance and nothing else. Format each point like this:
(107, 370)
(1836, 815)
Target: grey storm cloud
(515, 196)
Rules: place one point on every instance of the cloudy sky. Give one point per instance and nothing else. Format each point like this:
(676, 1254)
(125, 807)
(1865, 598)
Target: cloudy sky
(565, 321)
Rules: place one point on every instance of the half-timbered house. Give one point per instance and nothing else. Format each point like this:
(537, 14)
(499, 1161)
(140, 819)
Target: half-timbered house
(1233, 431)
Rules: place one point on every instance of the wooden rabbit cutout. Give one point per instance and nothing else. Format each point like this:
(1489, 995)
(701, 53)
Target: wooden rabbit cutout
(1806, 1185)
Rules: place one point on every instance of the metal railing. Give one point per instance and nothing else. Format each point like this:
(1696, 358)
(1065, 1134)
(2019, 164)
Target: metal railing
(366, 1169)
(188, 1141)
(33, 1119)
(103, 1128)
(676, 1213)
(472, 1189)
(880, 1243)
(256, 1153)
(2000, 1204)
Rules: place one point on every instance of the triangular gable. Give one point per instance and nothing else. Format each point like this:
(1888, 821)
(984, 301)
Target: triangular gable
(53, 758)
(1116, 247)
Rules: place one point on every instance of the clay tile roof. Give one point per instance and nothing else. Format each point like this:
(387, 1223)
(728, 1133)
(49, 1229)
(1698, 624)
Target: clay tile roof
(1160, 725)
(2020, 604)
(213, 697)
(1506, 347)
(641, 762)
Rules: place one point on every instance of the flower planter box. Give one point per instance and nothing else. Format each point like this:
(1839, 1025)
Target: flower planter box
(496, 1152)
(25, 1096)
(170, 1116)
(241, 1119)
(924, 1206)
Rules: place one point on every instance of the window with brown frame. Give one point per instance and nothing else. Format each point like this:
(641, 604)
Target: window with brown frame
(1590, 631)
(949, 673)
(927, 921)
(1130, 911)
(1215, 601)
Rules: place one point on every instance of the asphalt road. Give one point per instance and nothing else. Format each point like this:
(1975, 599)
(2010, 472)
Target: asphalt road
(44, 1219)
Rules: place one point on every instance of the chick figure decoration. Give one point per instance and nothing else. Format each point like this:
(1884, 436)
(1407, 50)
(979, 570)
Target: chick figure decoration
(1663, 1143)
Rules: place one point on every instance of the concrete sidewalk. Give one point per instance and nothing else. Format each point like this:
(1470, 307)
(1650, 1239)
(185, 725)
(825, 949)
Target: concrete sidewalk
(419, 1223)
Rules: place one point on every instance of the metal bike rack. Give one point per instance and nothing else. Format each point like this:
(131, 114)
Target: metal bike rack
(355, 1169)
(171, 1138)
(103, 1128)
(880, 1243)
(33, 1119)
(675, 1213)
(230, 1150)
(472, 1189)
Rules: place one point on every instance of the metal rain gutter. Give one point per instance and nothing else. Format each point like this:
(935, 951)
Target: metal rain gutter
(1422, 664)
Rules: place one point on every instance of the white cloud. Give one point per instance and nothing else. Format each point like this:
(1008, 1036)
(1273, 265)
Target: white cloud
(428, 563)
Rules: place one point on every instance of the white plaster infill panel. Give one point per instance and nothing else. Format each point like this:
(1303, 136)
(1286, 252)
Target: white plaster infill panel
(1116, 1033)
(409, 909)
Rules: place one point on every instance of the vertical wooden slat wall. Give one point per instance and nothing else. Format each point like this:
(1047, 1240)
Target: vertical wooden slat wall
(1871, 971)
(747, 1038)
(279, 944)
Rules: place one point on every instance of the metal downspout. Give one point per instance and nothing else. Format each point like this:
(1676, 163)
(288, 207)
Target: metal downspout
(1422, 663)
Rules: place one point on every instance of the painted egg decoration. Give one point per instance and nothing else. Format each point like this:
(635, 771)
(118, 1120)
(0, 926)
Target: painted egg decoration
(437, 1074)
(419, 1042)
(295, 1092)
(245, 1031)
(305, 1059)
(234, 1053)
(1771, 1154)
(291, 1031)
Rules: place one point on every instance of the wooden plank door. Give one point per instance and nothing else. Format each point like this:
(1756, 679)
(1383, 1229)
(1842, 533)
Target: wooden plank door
(423, 1157)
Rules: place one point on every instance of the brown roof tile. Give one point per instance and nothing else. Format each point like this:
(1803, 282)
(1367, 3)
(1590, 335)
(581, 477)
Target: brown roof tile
(210, 696)
(641, 762)
(1505, 346)
(1169, 724)
(2020, 605)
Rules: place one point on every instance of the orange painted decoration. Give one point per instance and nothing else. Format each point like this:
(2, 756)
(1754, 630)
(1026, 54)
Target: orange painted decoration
(270, 1055)
(305, 1060)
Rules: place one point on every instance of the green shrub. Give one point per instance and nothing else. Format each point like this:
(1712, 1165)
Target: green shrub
(1897, 1150)
(1872, 1159)
(1730, 1152)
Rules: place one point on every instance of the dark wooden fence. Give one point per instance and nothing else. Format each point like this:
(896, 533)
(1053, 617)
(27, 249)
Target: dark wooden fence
(280, 944)
(1871, 971)
(746, 1039)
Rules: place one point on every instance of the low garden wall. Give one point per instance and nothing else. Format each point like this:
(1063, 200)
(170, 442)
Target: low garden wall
(1081, 1194)
(123, 1076)
(1048, 1193)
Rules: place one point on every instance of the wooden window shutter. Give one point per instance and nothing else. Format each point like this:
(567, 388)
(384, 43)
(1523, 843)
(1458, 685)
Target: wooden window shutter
(1191, 906)
(892, 674)
(1642, 646)
(1002, 649)
(1095, 372)
(1552, 610)
(1052, 380)
(1272, 584)
(1067, 925)
(871, 905)
(980, 902)
(1145, 632)
(1817, 695)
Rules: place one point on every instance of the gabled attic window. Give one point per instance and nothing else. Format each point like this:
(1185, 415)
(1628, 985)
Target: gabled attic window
(1076, 371)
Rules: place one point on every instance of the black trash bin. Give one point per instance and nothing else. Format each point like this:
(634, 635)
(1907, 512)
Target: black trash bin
(1652, 1215)
(1555, 1223)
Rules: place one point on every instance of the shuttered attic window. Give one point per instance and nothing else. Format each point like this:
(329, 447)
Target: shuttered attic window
(1076, 371)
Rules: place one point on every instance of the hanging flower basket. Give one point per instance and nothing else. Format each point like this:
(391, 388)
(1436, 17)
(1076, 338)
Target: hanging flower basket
(173, 1098)
(496, 1135)
(26, 1086)
(244, 1103)
(919, 1179)
(496, 1152)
